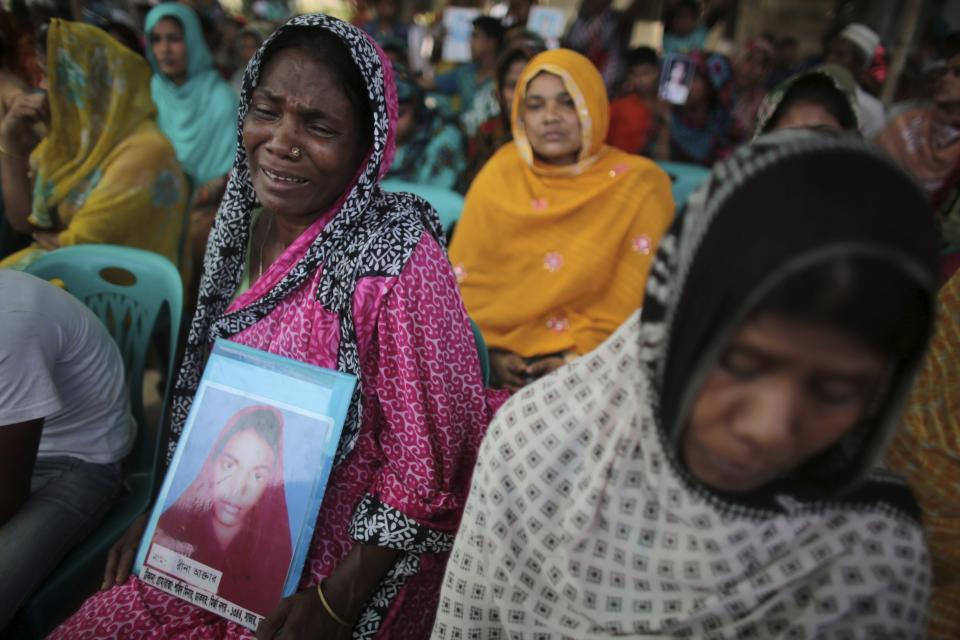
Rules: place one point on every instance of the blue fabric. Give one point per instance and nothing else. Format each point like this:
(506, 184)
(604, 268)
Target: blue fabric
(435, 157)
(462, 80)
(691, 42)
(200, 115)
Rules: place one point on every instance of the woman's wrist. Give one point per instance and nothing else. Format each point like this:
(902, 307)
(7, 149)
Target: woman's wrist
(11, 149)
(331, 611)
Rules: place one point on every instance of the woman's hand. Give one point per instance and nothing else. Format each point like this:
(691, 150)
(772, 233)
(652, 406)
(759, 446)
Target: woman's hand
(17, 134)
(302, 617)
(48, 240)
(541, 368)
(509, 368)
(122, 553)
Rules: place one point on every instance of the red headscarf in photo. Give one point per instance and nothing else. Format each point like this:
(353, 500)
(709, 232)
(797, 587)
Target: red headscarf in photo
(256, 561)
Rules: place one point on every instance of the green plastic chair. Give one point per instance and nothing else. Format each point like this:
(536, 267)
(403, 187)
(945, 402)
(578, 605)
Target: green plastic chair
(448, 203)
(685, 179)
(128, 289)
(482, 352)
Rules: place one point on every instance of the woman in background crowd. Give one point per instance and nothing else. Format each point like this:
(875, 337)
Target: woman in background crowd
(495, 132)
(825, 96)
(558, 229)
(197, 110)
(104, 173)
(430, 150)
(702, 130)
(751, 68)
(926, 140)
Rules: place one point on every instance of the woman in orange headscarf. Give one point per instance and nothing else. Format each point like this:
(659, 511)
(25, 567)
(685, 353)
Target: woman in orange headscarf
(558, 229)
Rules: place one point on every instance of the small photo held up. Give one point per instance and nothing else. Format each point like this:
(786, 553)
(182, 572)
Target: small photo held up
(675, 79)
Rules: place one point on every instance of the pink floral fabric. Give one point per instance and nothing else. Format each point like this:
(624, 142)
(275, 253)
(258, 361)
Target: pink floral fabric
(425, 413)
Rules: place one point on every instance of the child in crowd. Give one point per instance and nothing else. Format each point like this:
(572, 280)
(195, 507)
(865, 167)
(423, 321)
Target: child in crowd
(639, 120)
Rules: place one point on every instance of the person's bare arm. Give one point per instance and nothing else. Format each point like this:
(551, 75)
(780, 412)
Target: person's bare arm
(347, 591)
(18, 452)
(18, 138)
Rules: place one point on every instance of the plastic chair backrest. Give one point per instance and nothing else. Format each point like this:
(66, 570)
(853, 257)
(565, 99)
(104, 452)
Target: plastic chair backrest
(127, 289)
(685, 178)
(448, 203)
(482, 352)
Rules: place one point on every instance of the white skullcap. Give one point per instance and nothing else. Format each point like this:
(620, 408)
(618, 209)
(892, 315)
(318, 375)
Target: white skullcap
(865, 38)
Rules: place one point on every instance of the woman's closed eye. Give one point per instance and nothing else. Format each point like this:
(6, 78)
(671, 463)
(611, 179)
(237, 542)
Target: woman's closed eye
(836, 390)
(322, 130)
(263, 112)
(743, 364)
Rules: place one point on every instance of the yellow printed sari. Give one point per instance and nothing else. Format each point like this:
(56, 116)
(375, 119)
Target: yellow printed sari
(105, 173)
(927, 451)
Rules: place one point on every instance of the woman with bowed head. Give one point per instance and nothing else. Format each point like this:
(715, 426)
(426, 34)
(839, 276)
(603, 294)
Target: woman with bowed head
(196, 110)
(713, 469)
(311, 260)
(558, 229)
(823, 97)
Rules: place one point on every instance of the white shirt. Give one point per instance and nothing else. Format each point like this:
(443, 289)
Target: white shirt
(872, 114)
(57, 362)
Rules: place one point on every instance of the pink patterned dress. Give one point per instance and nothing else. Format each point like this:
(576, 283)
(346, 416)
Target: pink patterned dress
(425, 412)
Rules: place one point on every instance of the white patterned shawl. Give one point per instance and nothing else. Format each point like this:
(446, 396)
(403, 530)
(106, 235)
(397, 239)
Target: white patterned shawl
(581, 523)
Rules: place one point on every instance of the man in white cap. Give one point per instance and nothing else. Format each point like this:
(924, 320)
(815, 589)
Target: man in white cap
(854, 48)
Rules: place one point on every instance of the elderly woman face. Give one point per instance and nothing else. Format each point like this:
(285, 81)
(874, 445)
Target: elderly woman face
(302, 136)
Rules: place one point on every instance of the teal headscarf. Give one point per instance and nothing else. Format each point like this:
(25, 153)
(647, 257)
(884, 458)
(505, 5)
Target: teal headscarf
(199, 116)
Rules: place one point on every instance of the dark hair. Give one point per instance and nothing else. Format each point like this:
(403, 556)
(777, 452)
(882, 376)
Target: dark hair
(950, 46)
(787, 41)
(818, 89)
(125, 36)
(670, 13)
(867, 297)
(511, 56)
(642, 55)
(263, 420)
(328, 50)
(491, 27)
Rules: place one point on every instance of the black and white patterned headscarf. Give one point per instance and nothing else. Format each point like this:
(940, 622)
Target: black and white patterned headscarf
(374, 233)
(582, 522)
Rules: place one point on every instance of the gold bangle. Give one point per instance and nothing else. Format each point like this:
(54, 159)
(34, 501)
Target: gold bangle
(326, 605)
(3, 151)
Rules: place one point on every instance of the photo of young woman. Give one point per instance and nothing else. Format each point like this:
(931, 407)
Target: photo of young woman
(233, 515)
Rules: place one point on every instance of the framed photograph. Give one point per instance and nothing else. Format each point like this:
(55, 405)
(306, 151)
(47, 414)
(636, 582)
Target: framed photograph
(548, 22)
(233, 522)
(676, 76)
(458, 25)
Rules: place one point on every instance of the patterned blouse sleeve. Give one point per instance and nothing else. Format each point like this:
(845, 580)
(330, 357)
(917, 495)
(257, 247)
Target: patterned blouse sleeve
(432, 407)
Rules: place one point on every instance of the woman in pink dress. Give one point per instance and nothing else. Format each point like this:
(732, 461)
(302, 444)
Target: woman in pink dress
(310, 259)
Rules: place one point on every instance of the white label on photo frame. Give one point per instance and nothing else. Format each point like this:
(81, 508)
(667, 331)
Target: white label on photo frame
(190, 571)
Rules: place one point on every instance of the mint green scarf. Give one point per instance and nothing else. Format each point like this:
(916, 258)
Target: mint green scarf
(200, 115)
